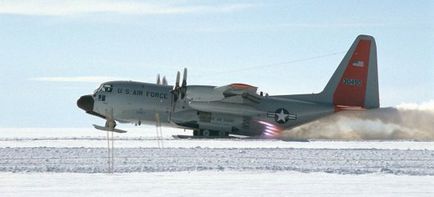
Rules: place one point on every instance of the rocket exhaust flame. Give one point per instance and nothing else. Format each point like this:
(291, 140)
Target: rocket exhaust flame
(270, 130)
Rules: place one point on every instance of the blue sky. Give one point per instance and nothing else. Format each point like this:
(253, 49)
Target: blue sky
(54, 51)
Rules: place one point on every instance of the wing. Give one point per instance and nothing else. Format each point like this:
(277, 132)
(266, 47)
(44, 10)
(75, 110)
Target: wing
(240, 93)
(238, 99)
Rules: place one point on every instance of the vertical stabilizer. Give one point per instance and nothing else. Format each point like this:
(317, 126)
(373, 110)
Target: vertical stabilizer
(355, 81)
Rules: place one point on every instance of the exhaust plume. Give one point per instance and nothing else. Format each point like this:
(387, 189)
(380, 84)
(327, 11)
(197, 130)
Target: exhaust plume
(408, 121)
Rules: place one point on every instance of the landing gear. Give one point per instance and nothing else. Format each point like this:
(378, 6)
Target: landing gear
(210, 133)
(110, 124)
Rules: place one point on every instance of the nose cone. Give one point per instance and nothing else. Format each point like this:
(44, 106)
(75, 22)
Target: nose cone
(86, 103)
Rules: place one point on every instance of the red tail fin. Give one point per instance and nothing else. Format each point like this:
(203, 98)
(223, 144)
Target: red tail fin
(355, 81)
(352, 87)
(354, 84)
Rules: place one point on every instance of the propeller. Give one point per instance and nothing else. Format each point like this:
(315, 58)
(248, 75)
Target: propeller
(183, 89)
(180, 91)
(178, 75)
(164, 81)
(158, 80)
(175, 90)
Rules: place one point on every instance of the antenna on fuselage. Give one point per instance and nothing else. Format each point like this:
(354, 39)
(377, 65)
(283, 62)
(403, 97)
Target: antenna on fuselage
(158, 80)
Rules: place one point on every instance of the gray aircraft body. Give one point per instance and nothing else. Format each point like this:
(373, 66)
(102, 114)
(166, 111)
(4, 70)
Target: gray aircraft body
(237, 108)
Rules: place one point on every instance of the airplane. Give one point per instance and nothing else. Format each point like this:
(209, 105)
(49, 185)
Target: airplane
(237, 108)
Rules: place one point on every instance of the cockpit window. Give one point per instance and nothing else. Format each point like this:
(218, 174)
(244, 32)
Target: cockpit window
(107, 88)
(104, 88)
(98, 90)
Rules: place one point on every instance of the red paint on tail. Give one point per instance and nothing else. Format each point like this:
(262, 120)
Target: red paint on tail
(351, 89)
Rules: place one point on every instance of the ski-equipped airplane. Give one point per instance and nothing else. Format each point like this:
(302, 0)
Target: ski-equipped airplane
(237, 108)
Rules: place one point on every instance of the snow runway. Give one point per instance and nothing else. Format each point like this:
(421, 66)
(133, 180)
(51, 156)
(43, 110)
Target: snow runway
(213, 183)
(73, 162)
(339, 161)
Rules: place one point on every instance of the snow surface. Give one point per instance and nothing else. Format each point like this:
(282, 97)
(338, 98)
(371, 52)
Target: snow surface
(213, 183)
(72, 162)
(145, 137)
(339, 161)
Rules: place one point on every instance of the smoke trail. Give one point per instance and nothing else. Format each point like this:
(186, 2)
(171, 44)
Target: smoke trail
(404, 122)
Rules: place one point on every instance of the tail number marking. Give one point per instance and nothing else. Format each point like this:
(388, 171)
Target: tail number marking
(352, 82)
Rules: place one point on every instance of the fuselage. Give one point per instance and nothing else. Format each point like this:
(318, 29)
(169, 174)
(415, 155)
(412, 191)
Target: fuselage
(139, 103)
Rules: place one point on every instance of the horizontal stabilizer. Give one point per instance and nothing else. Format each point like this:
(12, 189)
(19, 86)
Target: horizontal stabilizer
(108, 129)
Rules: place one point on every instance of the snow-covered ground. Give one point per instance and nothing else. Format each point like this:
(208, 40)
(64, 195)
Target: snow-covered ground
(72, 162)
(214, 183)
(146, 137)
(338, 161)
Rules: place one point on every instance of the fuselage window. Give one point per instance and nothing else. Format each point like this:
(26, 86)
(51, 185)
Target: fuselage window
(101, 97)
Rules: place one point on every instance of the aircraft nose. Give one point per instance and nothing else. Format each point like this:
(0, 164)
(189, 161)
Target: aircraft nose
(86, 103)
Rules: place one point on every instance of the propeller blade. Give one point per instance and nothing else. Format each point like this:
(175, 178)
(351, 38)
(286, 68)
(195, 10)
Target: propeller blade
(183, 89)
(164, 81)
(158, 79)
(178, 75)
(176, 88)
(184, 78)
